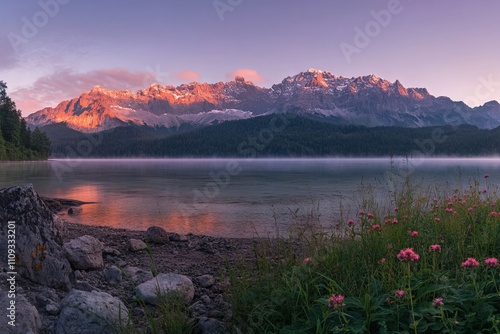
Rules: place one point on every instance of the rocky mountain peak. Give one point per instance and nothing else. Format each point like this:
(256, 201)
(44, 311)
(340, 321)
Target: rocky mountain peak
(366, 100)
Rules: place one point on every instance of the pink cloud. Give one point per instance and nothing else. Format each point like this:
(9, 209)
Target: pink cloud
(248, 74)
(66, 84)
(188, 76)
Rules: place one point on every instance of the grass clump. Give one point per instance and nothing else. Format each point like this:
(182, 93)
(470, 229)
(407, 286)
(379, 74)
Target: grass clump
(425, 263)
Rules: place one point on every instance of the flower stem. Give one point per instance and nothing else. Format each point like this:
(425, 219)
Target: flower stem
(411, 301)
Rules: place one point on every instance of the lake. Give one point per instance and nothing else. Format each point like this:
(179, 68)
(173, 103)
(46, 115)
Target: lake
(231, 197)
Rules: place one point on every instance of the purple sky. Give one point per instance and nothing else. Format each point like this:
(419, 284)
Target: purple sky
(450, 47)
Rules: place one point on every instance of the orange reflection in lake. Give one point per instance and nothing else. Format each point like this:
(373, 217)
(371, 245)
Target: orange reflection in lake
(85, 193)
(202, 224)
(128, 212)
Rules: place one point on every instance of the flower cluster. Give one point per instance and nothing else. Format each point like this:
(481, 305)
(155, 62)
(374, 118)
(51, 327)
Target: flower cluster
(336, 301)
(435, 248)
(470, 263)
(407, 255)
(399, 293)
(491, 262)
(307, 260)
(437, 302)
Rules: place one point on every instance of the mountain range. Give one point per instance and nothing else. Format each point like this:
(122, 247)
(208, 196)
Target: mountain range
(367, 100)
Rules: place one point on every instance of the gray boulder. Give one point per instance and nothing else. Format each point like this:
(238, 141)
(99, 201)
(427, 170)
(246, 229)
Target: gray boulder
(151, 291)
(25, 316)
(84, 252)
(210, 326)
(206, 281)
(136, 245)
(137, 275)
(157, 235)
(40, 257)
(74, 210)
(113, 275)
(91, 312)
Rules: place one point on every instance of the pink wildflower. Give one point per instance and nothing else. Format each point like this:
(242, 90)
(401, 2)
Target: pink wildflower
(361, 213)
(470, 263)
(350, 222)
(486, 176)
(396, 209)
(413, 233)
(336, 301)
(435, 248)
(394, 221)
(370, 216)
(484, 191)
(383, 260)
(491, 262)
(307, 260)
(437, 302)
(437, 219)
(407, 255)
(399, 293)
(470, 209)
(376, 227)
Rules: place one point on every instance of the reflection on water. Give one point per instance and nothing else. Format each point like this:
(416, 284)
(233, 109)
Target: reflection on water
(225, 197)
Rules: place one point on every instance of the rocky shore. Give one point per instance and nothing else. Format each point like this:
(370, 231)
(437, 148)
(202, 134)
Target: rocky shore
(80, 279)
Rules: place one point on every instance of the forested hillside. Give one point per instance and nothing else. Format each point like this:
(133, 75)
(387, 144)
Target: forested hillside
(17, 141)
(278, 135)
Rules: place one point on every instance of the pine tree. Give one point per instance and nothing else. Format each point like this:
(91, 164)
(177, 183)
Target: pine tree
(3, 150)
(40, 143)
(16, 140)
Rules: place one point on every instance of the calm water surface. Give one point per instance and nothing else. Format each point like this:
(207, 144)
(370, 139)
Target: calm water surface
(230, 197)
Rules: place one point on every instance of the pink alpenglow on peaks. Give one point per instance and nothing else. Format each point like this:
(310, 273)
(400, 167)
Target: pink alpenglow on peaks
(470, 263)
(491, 262)
(408, 255)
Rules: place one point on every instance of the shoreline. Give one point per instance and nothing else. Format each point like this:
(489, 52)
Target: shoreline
(204, 260)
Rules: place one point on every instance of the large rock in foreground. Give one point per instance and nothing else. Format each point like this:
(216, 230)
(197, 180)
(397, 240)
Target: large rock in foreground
(151, 291)
(25, 318)
(38, 253)
(91, 312)
(85, 252)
